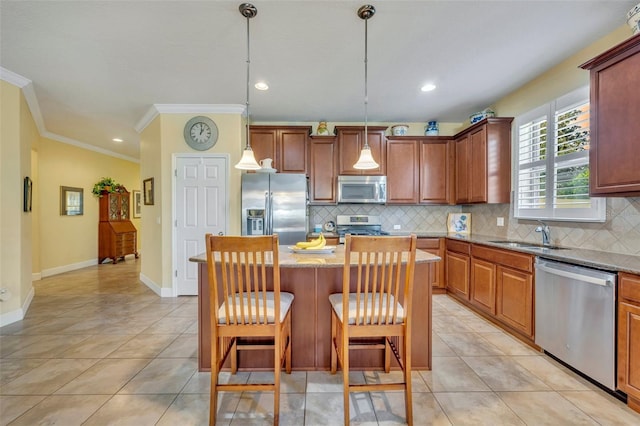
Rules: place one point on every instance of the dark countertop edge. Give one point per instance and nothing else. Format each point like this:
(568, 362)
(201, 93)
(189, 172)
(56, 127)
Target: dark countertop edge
(616, 262)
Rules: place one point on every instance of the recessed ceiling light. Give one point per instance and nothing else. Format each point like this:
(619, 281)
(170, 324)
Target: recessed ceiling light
(261, 85)
(428, 87)
(117, 140)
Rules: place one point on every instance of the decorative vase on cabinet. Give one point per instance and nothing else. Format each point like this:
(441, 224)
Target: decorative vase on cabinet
(117, 237)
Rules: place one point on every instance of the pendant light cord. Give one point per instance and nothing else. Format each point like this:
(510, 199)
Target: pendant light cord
(366, 95)
(248, 81)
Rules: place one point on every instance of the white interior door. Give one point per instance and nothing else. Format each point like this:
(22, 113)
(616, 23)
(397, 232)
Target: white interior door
(201, 207)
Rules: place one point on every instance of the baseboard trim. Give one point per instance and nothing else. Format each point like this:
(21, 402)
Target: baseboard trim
(66, 268)
(18, 314)
(160, 291)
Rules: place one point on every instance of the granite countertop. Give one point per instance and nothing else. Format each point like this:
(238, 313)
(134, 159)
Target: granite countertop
(288, 259)
(592, 258)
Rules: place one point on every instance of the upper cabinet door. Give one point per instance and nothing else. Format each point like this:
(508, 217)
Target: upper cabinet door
(263, 143)
(463, 150)
(285, 145)
(402, 171)
(436, 170)
(323, 153)
(292, 150)
(350, 143)
(615, 108)
(483, 162)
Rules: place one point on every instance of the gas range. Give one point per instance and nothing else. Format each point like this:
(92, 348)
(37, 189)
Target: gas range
(358, 224)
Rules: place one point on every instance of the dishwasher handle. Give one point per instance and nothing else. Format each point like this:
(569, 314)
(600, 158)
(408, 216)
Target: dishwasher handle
(576, 276)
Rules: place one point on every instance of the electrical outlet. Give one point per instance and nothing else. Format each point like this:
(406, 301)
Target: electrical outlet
(396, 227)
(500, 221)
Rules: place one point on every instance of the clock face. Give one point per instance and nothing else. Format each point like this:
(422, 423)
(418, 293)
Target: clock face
(200, 133)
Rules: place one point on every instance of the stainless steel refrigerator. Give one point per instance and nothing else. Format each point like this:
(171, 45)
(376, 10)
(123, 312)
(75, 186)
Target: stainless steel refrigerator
(275, 203)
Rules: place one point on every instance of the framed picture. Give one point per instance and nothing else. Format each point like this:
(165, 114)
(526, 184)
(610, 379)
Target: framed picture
(71, 201)
(137, 204)
(147, 188)
(460, 223)
(28, 194)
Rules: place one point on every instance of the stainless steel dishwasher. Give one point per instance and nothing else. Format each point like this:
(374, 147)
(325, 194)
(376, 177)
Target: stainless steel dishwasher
(575, 318)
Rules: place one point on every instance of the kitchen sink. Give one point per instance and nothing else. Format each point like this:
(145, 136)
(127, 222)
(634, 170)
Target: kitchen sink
(523, 244)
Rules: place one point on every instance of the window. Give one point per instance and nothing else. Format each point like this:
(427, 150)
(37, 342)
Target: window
(552, 165)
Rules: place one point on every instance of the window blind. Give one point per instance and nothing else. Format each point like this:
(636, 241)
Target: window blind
(552, 168)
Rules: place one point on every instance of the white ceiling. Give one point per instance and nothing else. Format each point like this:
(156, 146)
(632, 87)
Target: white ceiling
(97, 67)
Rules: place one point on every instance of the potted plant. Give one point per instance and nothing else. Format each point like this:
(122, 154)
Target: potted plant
(105, 184)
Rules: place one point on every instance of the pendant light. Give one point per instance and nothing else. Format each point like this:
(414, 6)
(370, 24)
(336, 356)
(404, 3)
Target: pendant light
(248, 160)
(366, 161)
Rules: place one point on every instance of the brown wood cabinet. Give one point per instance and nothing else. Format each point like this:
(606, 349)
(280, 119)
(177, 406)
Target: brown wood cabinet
(350, 143)
(500, 284)
(629, 338)
(435, 246)
(483, 285)
(117, 237)
(436, 170)
(323, 160)
(514, 301)
(483, 162)
(457, 264)
(403, 174)
(615, 91)
(420, 170)
(286, 145)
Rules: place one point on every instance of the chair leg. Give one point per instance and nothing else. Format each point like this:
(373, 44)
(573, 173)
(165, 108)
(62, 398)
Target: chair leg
(213, 403)
(277, 355)
(387, 355)
(334, 354)
(234, 356)
(287, 361)
(408, 399)
(345, 376)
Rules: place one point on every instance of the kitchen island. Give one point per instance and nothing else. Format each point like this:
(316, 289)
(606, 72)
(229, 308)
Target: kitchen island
(312, 278)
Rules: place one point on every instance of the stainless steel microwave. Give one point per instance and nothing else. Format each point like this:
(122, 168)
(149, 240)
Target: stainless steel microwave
(362, 189)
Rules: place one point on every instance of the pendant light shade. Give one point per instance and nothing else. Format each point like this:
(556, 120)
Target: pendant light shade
(248, 160)
(366, 161)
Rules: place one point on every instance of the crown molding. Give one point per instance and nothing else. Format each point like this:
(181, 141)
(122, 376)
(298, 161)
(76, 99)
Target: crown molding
(88, 147)
(157, 109)
(29, 95)
(13, 78)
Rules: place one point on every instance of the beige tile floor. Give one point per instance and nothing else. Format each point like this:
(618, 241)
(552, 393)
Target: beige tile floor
(99, 348)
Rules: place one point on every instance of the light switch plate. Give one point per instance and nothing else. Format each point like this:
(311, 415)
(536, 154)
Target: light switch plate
(500, 221)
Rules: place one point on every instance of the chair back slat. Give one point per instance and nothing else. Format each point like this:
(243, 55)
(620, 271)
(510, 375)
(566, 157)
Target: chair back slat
(240, 280)
(381, 279)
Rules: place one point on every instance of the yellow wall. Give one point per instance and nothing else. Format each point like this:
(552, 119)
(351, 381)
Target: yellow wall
(160, 142)
(151, 231)
(16, 139)
(560, 80)
(62, 164)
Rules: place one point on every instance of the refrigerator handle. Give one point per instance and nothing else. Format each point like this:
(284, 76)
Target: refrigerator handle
(270, 213)
(267, 210)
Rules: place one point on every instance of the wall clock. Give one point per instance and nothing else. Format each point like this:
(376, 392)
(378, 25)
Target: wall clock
(200, 133)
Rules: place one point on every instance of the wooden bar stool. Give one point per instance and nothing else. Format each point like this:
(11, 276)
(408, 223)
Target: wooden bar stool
(376, 304)
(246, 302)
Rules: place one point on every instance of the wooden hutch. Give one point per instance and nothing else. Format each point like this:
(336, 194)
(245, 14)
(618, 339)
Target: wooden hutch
(117, 237)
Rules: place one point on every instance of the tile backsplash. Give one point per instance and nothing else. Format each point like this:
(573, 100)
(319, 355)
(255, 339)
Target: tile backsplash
(410, 218)
(619, 234)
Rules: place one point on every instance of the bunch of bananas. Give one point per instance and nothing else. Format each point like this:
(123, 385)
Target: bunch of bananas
(316, 243)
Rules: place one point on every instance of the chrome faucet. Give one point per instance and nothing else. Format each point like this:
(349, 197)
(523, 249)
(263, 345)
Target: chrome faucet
(546, 233)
